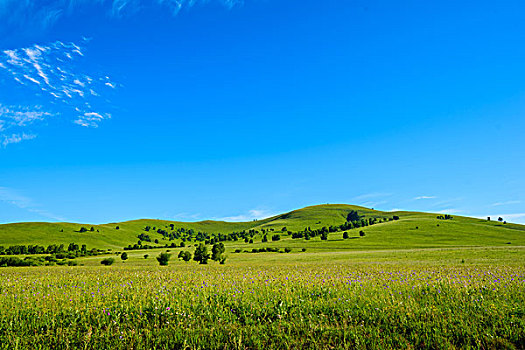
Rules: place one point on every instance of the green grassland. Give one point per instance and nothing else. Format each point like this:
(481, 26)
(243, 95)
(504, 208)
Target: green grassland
(413, 230)
(417, 282)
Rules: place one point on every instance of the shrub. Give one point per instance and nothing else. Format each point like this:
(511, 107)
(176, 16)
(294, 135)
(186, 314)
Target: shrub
(124, 256)
(395, 217)
(303, 250)
(107, 261)
(345, 235)
(218, 251)
(287, 250)
(201, 254)
(146, 256)
(163, 259)
(276, 238)
(362, 233)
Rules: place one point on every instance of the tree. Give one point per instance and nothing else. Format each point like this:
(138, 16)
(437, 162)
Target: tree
(276, 238)
(500, 219)
(362, 233)
(124, 256)
(163, 259)
(345, 235)
(201, 254)
(488, 218)
(82, 229)
(395, 217)
(117, 228)
(217, 251)
(184, 255)
(324, 236)
(146, 256)
(265, 239)
(92, 229)
(107, 261)
(353, 216)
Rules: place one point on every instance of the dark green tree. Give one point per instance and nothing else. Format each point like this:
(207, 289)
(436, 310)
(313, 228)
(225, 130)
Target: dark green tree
(201, 254)
(124, 256)
(163, 259)
(217, 251)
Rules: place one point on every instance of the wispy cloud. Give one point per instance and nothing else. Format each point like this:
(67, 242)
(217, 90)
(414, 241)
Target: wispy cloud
(498, 204)
(53, 71)
(15, 138)
(43, 14)
(13, 197)
(424, 197)
(254, 214)
(451, 211)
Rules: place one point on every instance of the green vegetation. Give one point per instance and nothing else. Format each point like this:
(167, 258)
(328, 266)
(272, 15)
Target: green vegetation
(330, 276)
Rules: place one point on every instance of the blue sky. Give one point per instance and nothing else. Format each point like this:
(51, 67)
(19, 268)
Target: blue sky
(187, 110)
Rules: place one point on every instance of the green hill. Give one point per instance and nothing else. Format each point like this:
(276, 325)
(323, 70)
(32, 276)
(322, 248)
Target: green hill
(412, 230)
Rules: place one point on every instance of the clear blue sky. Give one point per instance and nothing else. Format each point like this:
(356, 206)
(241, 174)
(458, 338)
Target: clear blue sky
(187, 110)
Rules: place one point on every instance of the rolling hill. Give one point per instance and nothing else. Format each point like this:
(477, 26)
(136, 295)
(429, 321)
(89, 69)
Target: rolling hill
(411, 230)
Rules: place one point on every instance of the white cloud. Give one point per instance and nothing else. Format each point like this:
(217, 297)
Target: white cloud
(450, 211)
(254, 214)
(505, 203)
(52, 70)
(16, 138)
(424, 197)
(14, 198)
(19, 14)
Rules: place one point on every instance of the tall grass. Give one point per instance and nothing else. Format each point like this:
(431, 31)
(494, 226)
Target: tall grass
(310, 306)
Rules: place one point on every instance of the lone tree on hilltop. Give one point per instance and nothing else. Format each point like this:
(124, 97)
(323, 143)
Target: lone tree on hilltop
(201, 254)
(500, 219)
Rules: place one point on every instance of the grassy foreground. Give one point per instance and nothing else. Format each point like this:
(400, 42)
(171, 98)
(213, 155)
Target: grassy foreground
(390, 299)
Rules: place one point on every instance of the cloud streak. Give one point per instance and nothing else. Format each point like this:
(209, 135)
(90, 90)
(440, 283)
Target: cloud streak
(12, 197)
(51, 71)
(43, 14)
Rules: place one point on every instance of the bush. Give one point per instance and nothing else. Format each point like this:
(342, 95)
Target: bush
(124, 256)
(303, 250)
(146, 256)
(201, 254)
(218, 251)
(163, 259)
(276, 238)
(107, 261)
(287, 250)
(362, 233)
(395, 217)
(345, 235)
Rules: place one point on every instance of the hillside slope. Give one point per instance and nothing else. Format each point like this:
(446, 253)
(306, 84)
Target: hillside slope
(413, 229)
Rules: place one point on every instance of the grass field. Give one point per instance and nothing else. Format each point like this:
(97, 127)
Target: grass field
(457, 285)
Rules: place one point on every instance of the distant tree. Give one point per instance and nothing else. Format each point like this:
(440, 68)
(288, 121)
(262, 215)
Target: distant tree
(201, 254)
(217, 251)
(182, 244)
(146, 256)
(147, 228)
(124, 256)
(287, 250)
(362, 233)
(284, 229)
(395, 217)
(488, 218)
(500, 219)
(265, 239)
(92, 229)
(186, 256)
(324, 236)
(276, 238)
(251, 241)
(107, 261)
(82, 229)
(163, 259)
(345, 235)
(353, 216)
(156, 241)
(117, 228)
(303, 250)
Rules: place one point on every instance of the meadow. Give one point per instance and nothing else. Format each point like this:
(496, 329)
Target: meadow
(416, 282)
(458, 298)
